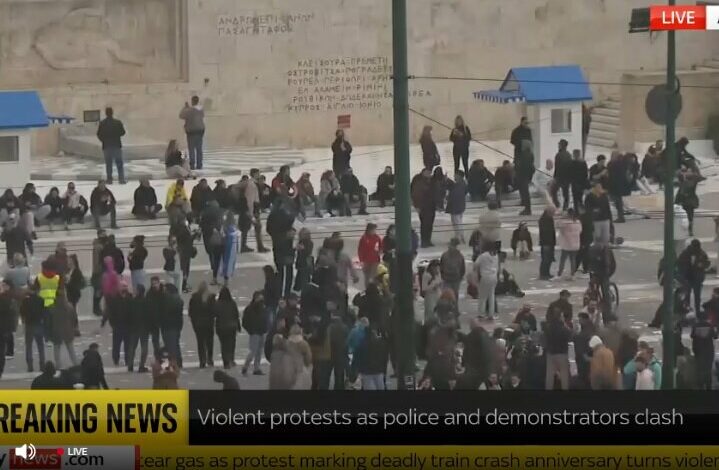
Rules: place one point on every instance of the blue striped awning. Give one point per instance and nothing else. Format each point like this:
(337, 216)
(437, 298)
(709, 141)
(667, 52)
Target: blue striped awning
(499, 96)
(63, 119)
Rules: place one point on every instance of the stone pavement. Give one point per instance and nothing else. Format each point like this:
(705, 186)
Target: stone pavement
(217, 163)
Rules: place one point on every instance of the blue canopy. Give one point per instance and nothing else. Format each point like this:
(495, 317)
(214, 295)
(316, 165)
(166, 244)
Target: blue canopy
(540, 85)
(21, 110)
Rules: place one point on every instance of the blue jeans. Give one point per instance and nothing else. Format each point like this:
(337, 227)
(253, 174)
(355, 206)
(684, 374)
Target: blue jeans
(138, 278)
(257, 345)
(373, 382)
(194, 148)
(114, 155)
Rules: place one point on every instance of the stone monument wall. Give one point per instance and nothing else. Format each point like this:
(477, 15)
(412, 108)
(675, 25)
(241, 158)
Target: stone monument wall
(279, 72)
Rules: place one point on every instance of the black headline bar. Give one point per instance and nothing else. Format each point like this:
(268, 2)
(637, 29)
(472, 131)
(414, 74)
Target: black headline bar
(453, 418)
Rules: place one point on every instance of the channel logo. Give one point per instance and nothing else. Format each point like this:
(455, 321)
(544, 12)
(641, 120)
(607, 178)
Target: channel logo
(28, 456)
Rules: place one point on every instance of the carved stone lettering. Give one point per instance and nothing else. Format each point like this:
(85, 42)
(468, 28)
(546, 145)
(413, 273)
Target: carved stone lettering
(253, 24)
(343, 84)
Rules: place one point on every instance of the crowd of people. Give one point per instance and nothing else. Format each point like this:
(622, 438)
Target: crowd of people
(303, 320)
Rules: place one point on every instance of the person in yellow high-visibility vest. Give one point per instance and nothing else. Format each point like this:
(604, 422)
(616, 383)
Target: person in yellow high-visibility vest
(48, 282)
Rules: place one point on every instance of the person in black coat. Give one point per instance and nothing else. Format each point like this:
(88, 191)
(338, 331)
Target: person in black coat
(385, 187)
(524, 172)
(33, 314)
(341, 153)
(579, 178)
(110, 249)
(255, 323)
(430, 154)
(227, 325)
(619, 185)
(92, 369)
(171, 320)
(201, 195)
(692, 265)
(284, 254)
(185, 248)
(202, 316)
(461, 137)
(520, 133)
(353, 192)
(56, 204)
(547, 242)
(145, 201)
(138, 330)
(48, 380)
(479, 181)
(15, 238)
(110, 132)
(102, 202)
(563, 164)
(118, 311)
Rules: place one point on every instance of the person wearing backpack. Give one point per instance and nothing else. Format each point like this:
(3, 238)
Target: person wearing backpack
(373, 358)
(452, 267)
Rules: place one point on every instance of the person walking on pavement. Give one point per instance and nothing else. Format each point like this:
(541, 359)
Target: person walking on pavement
(703, 335)
(136, 261)
(570, 231)
(687, 194)
(155, 305)
(431, 288)
(194, 117)
(452, 267)
(118, 311)
(201, 311)
(227, 317)
(618, 184)
(692, 265)
(62, 328)
(547, 242)
(461, 137)
(369, 252)
(597, 205)
(486, 268)
(255, 322)
(33, 314)
(457, 203)
(423, 200)
(110, 132)
(253, 194)
(556, 339)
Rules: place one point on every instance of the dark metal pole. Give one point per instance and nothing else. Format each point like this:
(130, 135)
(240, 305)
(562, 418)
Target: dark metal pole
(669, 254)
(402, 277)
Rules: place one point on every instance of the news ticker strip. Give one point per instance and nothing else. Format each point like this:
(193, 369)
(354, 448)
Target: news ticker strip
(683, 17)
(181, 417)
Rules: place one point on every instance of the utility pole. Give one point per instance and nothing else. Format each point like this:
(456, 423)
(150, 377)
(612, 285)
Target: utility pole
(669, 255)
(402, 277)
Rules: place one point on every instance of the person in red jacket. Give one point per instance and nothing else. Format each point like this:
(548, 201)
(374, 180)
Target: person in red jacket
(369, 252)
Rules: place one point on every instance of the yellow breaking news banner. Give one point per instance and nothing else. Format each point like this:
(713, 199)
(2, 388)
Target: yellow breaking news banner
(107, 417)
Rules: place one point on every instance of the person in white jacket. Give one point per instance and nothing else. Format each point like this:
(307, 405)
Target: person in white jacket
(486, 268)
(681, 228)
(490, 225)
(570, 230)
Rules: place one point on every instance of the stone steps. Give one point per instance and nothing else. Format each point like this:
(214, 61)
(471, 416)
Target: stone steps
(599, 142)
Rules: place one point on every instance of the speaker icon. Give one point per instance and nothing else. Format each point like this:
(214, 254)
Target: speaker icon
(26, 451)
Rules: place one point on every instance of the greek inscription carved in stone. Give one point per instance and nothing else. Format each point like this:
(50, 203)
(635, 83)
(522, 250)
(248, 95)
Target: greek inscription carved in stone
(342, 84)
(261, 25)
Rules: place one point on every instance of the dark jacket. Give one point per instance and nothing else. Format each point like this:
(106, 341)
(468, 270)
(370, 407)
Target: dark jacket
(598, 206)
(384, 181)
(9, 203)
(521, 236)
(547, 233)
(8, 314)
(200, 198)
(75, 285)
(562, 167)
(460, 140)
(32, 310)
(173, 159)
(430, 154)
(154, 305)
(619, 184)
(115, 253)
(118, 311)
(110, 132)
(341, 158)
(557, 337)
(136, 258)
(279, 222)
(518, 135)
(692, 265)
(703, 336)
(479, 178)
(227, 317)
(349, 184)
(422, 195)
(29, 200)
(93, 372)
(138, 320)
(201, 312)
(254, 319)
(144, 197)
(457, 198)
(56, 206)
(579, 174)
(373, 353)
(97, 196)
(562, 306)
(15, 239)
(171, 313)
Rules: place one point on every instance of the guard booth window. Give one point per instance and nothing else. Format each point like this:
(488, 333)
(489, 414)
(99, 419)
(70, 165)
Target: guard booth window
(561, 121)
(8, 149)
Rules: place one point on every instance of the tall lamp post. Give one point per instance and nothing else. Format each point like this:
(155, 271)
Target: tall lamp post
(640, 23)
(402, 276)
